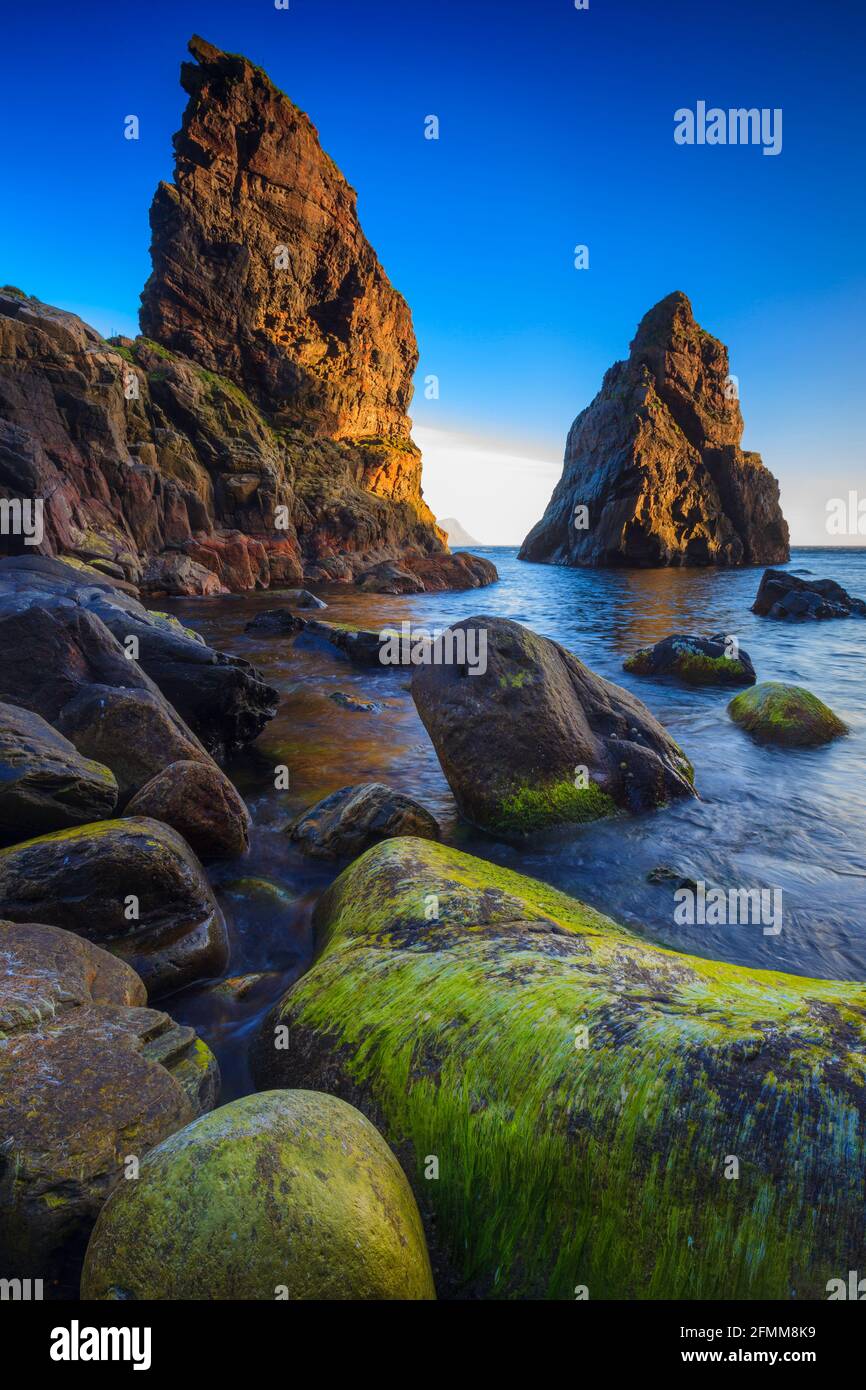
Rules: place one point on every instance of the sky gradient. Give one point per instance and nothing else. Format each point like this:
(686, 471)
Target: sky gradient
(556, 129)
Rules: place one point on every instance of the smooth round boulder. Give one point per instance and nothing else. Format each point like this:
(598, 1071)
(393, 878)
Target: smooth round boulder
(785, 714)
(280, 1195)
(694, 660)
(132, 885)
(133, 732)
(353, 819)
(199, 802)
(45, 783)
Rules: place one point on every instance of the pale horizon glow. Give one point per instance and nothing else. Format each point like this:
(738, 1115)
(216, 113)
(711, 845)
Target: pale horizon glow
(498, 496)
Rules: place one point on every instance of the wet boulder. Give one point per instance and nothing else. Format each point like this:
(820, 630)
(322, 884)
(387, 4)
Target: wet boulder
(362, 646)
(275, 622)
(133, 885)
(529, 737)
(786, 714)
(290, 1195)
(389, 578)
(301, 598)
(45, 783)
(52, 653)
(786, 597)
(90, 1080)
(581, 1089)
(352, 819)
(694, 660)
(134, 732)
(201, 804)
(223, 699)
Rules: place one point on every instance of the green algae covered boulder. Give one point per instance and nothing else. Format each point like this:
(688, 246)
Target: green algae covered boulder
(694, 661)
(576, 1108)
(775, 713)
(284, 1195)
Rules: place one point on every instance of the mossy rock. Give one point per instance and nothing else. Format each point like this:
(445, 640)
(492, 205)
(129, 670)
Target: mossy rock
(694, 661)
(448, 1002)
(528, 737)
(289, 1194)
(786, 714)
(527, 809)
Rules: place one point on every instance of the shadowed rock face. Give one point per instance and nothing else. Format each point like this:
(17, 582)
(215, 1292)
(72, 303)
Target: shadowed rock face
(656, 461)
(62, 631)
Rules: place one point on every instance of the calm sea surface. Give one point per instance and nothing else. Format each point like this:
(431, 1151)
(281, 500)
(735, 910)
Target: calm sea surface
(793, 820)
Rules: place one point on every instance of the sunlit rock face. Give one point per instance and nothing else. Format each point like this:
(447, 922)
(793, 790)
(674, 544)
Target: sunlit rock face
(654, 473)
(256, 433)
(260, 268)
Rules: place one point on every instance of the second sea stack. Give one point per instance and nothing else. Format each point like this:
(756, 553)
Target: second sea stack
(654, 474)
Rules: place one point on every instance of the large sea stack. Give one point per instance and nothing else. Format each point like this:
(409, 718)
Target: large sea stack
(654, 473)
(257, 433)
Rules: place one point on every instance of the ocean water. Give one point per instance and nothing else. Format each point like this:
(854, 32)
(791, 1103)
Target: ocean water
(788, 820)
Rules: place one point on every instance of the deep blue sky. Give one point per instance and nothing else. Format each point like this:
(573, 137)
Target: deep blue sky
(556, 128)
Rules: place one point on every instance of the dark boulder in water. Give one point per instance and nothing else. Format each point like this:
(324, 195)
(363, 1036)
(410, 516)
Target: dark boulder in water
(275, 622)
(784, 596)
(362, 646)
(694, 660)
(198, 801)
(530, 737)
(353, 819)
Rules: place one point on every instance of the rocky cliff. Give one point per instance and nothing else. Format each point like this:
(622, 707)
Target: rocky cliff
(653, 472)
(257, 433)
(260, 268)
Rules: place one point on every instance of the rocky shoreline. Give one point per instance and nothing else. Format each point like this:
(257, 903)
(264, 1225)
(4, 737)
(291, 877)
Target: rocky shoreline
(484, 1023)
(479, 1087)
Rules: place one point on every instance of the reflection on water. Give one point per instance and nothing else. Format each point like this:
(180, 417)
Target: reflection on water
(794, 820)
